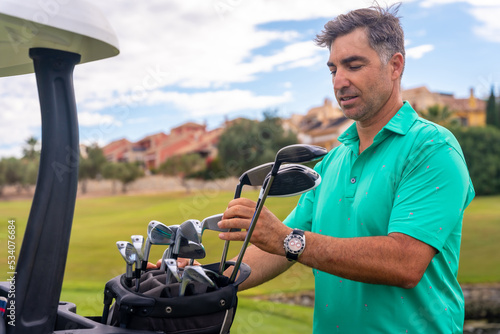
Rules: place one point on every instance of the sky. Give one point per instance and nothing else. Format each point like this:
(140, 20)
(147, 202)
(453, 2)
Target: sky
(207, 61)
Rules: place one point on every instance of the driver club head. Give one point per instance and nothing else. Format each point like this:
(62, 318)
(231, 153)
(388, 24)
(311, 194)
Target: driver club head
(299, 153)
(293, 180)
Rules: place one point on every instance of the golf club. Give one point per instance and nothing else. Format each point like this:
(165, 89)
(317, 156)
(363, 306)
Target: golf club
(171, 265)
(129, 260)
(298, 153)
(252, 177)
(186, 231)
(293, 180)
(158, 234)
(194, 274)
(138, 242)
(210, 223)
(131, 253)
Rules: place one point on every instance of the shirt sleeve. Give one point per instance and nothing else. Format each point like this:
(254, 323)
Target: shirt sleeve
(434, 191)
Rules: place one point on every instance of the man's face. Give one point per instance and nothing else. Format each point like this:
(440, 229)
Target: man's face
(361, 82)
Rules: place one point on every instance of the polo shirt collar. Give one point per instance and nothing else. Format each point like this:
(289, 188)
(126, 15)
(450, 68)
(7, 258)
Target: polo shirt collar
(399, 123)
(403, 120)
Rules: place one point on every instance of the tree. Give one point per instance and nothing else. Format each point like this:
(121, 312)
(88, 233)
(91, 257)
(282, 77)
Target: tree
(91, 166)
(492, 117)
(441, 115)
(31, 151)
(13, 172)
(248, 143)
(183, 166)
(3, 180)
(482, 154)
(125, 172)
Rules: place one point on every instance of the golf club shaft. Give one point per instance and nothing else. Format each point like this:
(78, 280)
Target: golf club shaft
(223, 258)
(259, 206)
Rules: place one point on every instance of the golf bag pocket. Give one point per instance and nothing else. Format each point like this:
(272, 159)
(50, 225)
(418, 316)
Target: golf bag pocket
(158, 306)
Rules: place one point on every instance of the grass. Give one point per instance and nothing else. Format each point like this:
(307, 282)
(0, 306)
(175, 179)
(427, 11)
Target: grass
(99, 222)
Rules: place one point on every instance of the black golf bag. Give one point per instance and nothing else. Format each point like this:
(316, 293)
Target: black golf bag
(157, 306)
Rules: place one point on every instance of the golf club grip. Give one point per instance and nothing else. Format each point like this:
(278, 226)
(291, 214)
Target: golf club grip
(237, 192)
(260, 205)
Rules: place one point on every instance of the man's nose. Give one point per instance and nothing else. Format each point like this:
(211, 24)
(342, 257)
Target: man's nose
(340, 80)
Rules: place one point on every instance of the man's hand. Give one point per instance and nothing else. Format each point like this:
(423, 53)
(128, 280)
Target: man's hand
(268, 234)
(181, 263)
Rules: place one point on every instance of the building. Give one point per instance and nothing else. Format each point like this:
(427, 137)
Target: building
(320, 126)
(469, 111)
(151, 151)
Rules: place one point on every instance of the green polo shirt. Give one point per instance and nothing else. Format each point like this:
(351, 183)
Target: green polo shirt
(413, 180)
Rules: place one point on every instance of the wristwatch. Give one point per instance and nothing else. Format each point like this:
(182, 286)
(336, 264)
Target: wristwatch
(294, 244)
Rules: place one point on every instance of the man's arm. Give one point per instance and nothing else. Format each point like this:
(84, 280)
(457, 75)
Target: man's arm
(265, 266)
(396, 259)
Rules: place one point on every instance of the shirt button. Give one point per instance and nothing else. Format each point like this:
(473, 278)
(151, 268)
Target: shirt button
(353, 180)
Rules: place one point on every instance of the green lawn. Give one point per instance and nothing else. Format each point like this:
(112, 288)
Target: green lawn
(99, 222)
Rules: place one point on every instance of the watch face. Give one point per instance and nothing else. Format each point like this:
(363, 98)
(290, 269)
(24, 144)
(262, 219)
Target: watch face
(295, 244)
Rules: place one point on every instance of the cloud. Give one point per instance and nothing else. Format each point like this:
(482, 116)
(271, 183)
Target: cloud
(490, 28)
(167, 45)
(92, 119)
(418, 52)
(218, 102)
(486, 12)
(430, 3)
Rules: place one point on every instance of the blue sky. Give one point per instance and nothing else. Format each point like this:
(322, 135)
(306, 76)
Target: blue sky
(210, 60)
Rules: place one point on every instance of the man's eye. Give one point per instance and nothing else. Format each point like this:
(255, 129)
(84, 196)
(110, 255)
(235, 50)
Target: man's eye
(355, 68)
(333, 72)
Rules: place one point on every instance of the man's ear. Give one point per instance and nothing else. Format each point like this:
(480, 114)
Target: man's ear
(397, 63)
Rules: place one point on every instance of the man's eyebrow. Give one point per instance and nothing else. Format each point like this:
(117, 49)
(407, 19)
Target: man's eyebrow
(348, 60)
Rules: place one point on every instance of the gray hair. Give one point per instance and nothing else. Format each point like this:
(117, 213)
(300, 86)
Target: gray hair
(384, 30)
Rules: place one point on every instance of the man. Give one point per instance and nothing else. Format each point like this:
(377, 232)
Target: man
(382, 231)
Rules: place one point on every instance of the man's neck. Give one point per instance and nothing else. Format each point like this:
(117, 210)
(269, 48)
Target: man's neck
(368, 129)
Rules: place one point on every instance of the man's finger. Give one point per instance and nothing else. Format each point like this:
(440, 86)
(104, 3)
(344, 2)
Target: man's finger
(154, 266)
(233, 236)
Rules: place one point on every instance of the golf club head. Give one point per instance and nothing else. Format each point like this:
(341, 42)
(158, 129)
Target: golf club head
(138, 242)
(210, 223)
(253, 177)
(189, 230)
(161, 234)
(147, 246)
(131, 253)
(293, 180)
(194, 274)
(122, 248)
(171, 265)
(298, 153)
(191, 250)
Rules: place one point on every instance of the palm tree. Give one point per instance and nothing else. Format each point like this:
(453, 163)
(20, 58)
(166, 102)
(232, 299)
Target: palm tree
(441, 115)
(31, 151)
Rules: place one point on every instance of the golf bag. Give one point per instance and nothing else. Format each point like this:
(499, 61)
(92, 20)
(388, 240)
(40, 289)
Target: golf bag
(157, 306)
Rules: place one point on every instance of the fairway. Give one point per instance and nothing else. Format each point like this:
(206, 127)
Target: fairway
(93, 258)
